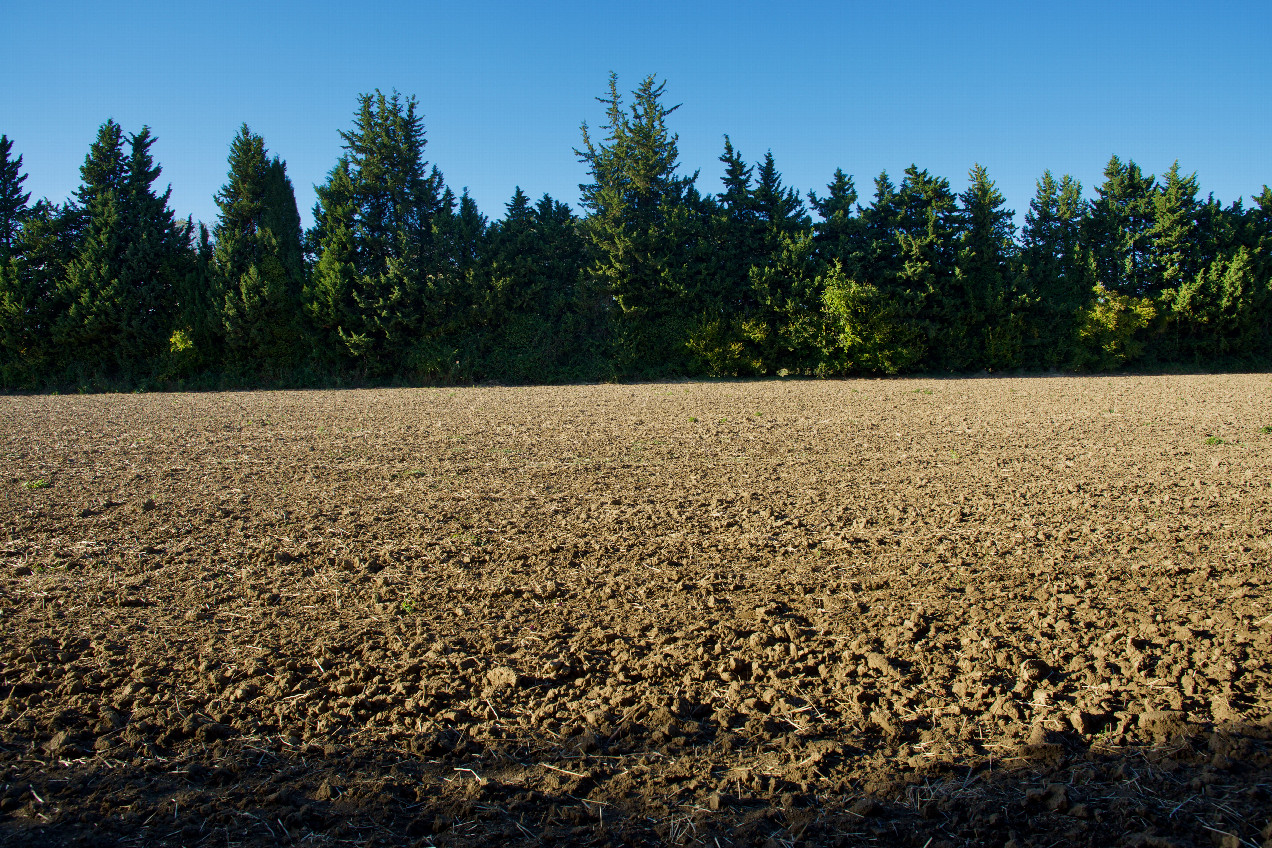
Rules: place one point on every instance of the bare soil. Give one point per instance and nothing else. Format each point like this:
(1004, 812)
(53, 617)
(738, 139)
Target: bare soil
(911, 612)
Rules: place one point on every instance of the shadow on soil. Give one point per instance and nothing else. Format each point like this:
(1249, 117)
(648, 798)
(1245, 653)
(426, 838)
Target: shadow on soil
(1192, 785)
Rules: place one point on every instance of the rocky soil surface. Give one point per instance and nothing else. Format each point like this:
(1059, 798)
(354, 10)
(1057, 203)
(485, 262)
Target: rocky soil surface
(911, 612)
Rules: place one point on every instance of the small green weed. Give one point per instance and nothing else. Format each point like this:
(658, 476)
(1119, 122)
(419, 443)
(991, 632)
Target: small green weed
(1266, 430)
(923, 391)
(693, 419)
(407, 606)
(37, 484)
(1214, 440)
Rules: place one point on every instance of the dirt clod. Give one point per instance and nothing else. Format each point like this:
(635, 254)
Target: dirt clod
(1005, 611)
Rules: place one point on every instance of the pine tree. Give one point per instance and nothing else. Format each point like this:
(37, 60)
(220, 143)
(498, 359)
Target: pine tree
(642, 225)
(926, 232)
(13, 200)
(258, 261)
(983, 324)
(1053, 277)
(1118, 226)
(380, 261)
(118, 293)
(840, 235)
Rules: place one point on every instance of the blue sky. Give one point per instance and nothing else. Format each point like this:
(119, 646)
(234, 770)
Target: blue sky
(503, 87)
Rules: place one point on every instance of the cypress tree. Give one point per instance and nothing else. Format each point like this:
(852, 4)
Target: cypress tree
(29, 303)
(839, 235)
(328, 297)
(258, 261)
(376, 219)
(1118, 226)
(738, 233)
(13, 200)
(1258, 237)
(926, 234)
(1173, 247)
(537, 320)
(983, 322)
(783, 277)
(1053, 274)
(118, 293)
(872, 311)
(643, 225)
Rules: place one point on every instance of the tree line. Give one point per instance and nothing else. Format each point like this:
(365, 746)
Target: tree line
(399, 279)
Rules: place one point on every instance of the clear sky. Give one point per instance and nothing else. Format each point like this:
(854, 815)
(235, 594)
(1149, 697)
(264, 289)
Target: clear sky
(503, 86)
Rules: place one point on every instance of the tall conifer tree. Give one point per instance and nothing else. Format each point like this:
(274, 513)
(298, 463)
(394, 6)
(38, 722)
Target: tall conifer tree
(1118, 226)
(379, 267)
(257, 261)
(642, 225)
(13, 200)
(983, 325)
(118, 292)
(1055, 276)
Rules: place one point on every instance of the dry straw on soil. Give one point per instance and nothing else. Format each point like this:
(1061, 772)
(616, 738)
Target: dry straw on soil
(928, 612)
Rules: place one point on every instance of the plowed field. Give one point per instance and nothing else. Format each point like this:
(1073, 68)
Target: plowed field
(911, 612)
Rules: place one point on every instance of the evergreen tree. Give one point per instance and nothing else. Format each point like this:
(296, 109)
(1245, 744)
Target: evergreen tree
(258, 261)
(1217, 311)
(197, 340)
(783, 277)
(880, 261)
(874, 305)
(1053, 276)
(926, 233)
(29, 283)
(983, 324)
(1173, 248)
(738, 236)
(1118, 227)
(537, 320)
(1258, 237)
(840, 235)
(780, 209)
(118, 290)
(376, 220)
(642, 225)
(13, 200)
(328, 298)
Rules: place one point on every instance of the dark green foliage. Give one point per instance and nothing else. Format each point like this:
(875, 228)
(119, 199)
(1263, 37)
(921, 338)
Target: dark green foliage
(643, 221)
(1056, 275)
(116, 300)
(539, 317)
(840, 235)
(13, 200)
(983, 322)
(402, 279)
(257, 264)
(381, 272)
(1118, 230)
(328, 299)
(926, 233)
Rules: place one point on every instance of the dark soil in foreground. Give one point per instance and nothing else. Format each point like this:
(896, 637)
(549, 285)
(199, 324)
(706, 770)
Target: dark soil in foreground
(926, 612)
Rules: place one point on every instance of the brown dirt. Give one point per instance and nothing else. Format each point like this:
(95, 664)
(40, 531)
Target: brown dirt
(921, 612)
